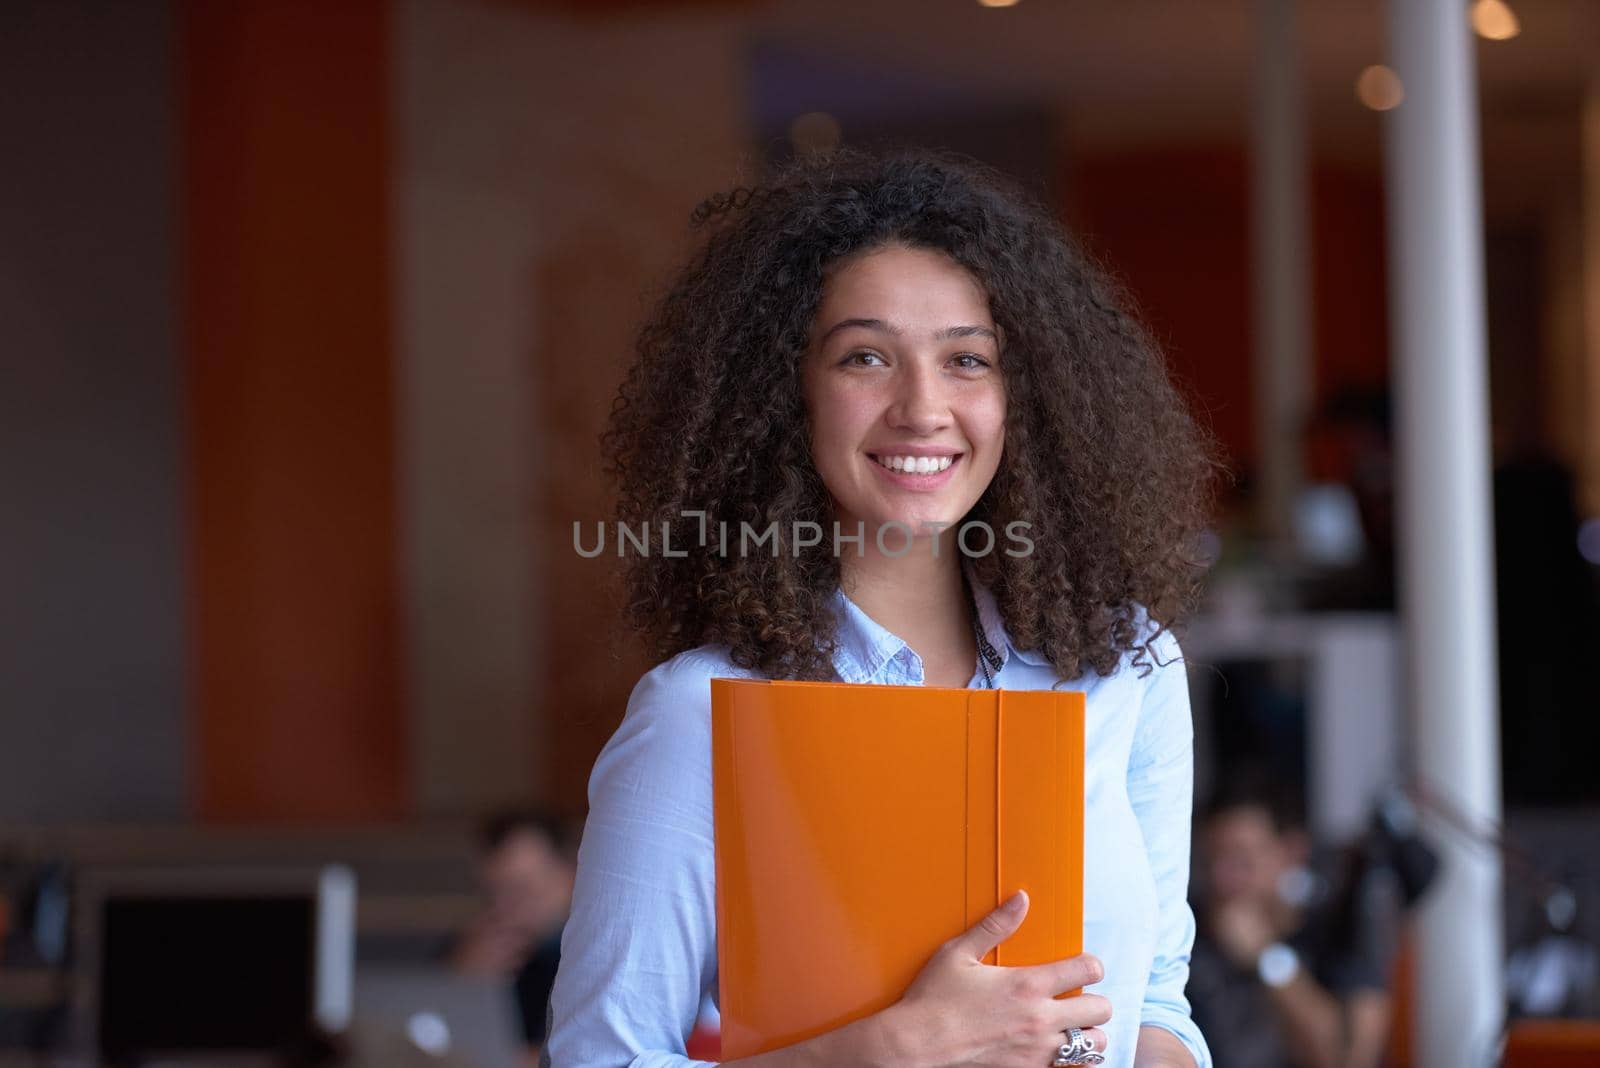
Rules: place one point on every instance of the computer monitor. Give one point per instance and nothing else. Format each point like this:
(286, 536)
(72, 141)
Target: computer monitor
(414, 1014)
(213, 960)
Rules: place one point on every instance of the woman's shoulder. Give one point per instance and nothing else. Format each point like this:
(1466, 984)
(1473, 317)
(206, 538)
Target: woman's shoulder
(663, 743)
(678, 690)
(1157, 668)
(1155, 650)
(692, 670)
(1153, 655)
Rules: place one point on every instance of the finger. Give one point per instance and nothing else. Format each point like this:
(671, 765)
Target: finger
(994, 928)
(1061, 975)
(1085, 1010)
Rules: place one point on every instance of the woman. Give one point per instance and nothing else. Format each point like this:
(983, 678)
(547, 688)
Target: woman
(891, 348)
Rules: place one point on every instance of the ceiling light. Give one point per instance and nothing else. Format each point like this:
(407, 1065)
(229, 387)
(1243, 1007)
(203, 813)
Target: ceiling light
(1379, 88)
(1494, 20)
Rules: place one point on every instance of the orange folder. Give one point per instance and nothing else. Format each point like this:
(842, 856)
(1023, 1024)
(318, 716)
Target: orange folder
(859, 827)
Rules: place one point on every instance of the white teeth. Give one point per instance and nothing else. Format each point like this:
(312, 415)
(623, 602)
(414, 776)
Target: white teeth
(917, 465)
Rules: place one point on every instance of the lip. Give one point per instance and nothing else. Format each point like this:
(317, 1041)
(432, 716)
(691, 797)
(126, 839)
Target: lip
(922, 483)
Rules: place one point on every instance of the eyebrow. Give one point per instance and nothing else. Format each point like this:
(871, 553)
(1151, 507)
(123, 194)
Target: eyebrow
(895, 331)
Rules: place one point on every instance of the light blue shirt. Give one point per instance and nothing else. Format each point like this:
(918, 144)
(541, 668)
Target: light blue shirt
(640, 950)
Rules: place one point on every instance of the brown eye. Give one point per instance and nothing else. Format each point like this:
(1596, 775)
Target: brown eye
(863, 358)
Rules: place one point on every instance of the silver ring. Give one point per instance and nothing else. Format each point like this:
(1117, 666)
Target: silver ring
(1077, 1043)
(1078, 1049)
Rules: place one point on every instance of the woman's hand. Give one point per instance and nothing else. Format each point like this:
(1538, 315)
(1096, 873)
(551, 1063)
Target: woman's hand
(962, 1012)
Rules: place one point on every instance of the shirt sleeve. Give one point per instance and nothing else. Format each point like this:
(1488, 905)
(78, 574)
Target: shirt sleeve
(640, 947)
(1161, 789)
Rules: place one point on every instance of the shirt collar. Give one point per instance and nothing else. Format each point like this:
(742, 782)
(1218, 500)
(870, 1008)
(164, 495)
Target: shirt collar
(864, 651)
(862, 648)
(994, 626)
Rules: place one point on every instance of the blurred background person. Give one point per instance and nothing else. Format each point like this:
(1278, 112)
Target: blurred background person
(1278, 978)
(526, 872)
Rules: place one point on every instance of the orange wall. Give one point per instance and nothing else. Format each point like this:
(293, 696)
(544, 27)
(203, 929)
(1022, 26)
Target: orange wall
(285, 245)
(1175, 226)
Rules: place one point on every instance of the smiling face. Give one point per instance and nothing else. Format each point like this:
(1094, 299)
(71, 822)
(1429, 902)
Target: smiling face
(904, 391)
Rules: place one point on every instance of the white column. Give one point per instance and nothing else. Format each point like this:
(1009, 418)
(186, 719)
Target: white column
(1280, 268)
(1446, 572)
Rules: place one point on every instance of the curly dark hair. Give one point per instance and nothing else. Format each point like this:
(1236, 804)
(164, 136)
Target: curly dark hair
(1101, 455)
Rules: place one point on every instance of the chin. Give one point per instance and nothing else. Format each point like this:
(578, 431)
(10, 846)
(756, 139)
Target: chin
(919, 520)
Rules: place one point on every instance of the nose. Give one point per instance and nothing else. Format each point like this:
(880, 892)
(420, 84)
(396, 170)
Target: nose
(920, 403)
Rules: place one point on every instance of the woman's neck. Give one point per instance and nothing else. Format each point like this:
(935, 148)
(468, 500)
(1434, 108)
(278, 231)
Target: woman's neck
(920, 597)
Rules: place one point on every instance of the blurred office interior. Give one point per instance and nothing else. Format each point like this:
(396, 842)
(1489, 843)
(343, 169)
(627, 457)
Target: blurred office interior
(311, 314)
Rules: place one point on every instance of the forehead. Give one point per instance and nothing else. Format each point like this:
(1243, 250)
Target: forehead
(911, 288)
(1243, 822)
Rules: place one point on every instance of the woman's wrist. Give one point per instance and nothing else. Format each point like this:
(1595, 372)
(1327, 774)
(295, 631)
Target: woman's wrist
(892, 1038)
(1159, 1048)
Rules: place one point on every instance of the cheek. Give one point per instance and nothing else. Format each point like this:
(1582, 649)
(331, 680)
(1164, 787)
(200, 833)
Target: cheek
(817, 410)
(823, 434)
(839, 423)
(989, 426)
